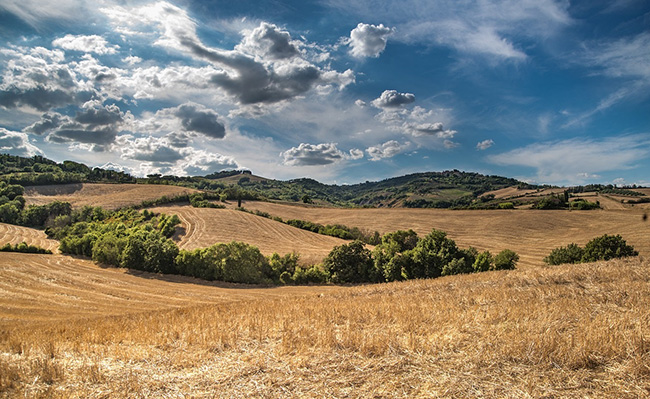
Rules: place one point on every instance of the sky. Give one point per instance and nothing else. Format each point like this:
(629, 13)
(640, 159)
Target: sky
(545, 91)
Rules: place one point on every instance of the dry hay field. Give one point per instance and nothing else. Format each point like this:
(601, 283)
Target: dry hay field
(580, 331)
(530, 233)
(12, 234)
(109, 196)
(203, 227)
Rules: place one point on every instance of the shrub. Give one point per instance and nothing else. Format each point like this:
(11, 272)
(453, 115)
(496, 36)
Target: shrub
(483, 262)
(349, 263)
(431, 254)
(607, 247)
(572, 253)
(506, 205)
(505, 260)
(241, 263)
(24, 248)
(313, 274)
(584, 205)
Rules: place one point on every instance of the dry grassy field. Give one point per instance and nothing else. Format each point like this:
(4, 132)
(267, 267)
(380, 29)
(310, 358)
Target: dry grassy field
(530, 233)
(579, 331)
(202, 227)
(109, 196)
(12, 234)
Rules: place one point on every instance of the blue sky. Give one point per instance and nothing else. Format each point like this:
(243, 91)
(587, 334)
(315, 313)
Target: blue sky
(546, 91)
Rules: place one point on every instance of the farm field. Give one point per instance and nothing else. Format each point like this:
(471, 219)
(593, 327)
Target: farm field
(109, 196)
(567, 331)
(203, 227)
(12, 234)
(530, 233)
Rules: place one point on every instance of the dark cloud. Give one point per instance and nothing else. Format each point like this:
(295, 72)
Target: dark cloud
(195, 119)
(41, 98)
(73, 133)
(16, 143)
(178, 140)
(393, 99)
(97, 115)
(49, 121)
(312, 155)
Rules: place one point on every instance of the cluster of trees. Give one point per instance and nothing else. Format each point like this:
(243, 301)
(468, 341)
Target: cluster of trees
(337, 230)
(606, 189)
(38, 170)
(402, 255)
(24, 248)
(605, 247)
(13, 210)
(582, 204)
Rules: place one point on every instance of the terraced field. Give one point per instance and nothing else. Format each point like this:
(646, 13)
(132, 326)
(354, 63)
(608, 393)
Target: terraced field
(109, 196)
(530, 233)
(11, 234)
(202, 227)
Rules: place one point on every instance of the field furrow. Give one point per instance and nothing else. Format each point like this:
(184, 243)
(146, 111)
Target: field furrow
(11, 234)
(205, 227)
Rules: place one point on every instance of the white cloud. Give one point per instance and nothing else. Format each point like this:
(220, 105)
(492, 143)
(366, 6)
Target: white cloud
(563, 162)
(498, 29)
(317, 155)
(87, 44)
(35, 11)
(484, 145)
(16, 143)
(386, 150)
(369, 40)
(393, 99)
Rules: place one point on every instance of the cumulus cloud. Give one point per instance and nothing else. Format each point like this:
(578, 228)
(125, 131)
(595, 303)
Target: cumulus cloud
(157, 150)
(369, 40)
(393, 99)
(499, 30)
(386, 150)
(87, 44)
(17, 143)
(317, 154)
(196, 118)
(199, 162)
(563, 162)
(48, 122)
(484, 145)
(39, 78)
(267, 41)
(265, 68)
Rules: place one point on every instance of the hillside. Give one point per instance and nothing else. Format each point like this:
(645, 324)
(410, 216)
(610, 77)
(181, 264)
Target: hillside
(203, 227)
(571, 331)
(12, 234)
(530, 233)
(108, 196)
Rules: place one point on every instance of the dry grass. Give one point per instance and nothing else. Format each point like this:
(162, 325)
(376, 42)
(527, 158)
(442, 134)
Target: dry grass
(12, 234)
(562, 332)
(530, 233)
(109, 196)
(202, 227)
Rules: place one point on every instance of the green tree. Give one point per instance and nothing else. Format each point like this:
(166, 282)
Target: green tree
(431, 254)
(572, 253)
(349, 263)
(607, 247)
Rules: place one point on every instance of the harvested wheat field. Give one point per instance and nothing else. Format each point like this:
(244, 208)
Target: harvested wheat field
(530, 233)
(37, 288)
(109, 196)
(550, 332)
(203, 227)
(12, 234)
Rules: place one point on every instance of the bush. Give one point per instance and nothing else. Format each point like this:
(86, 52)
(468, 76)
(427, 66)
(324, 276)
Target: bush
(584, 205)
(607, 247)
(24, 248)
(572, 253)
(483, 262)
(506, 205)
(431, 254)
(314, 275)
(349, 263)
(505, 260)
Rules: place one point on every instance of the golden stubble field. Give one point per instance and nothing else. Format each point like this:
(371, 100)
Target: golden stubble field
(109, 196)
(530, 233)
(548, 332)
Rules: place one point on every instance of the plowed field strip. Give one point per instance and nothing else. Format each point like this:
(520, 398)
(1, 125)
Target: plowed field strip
(16, 234)
(205, 227)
